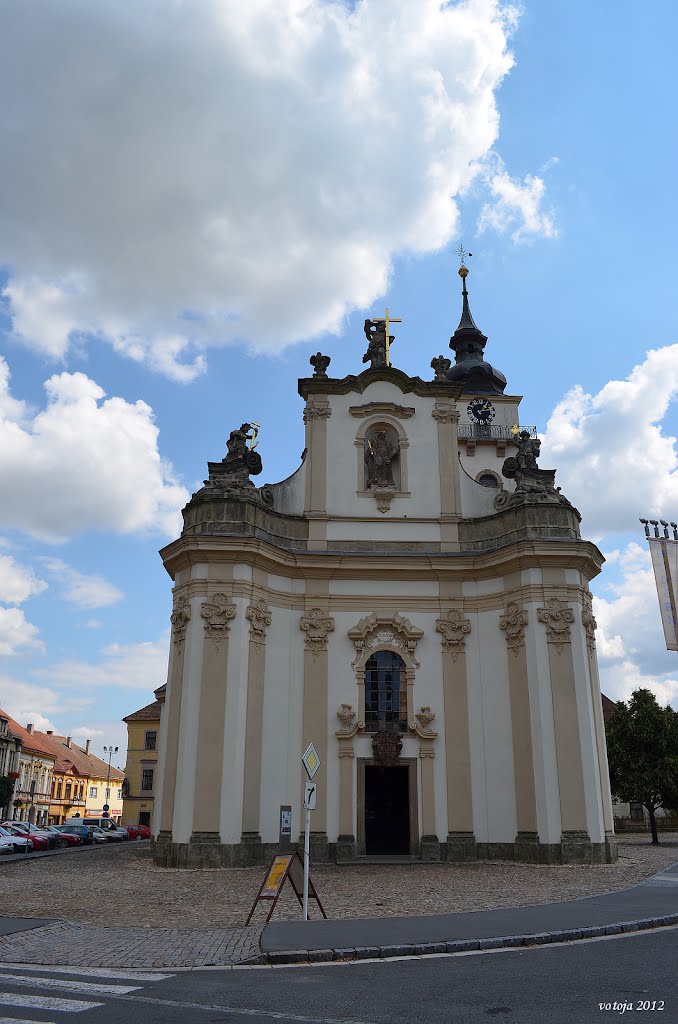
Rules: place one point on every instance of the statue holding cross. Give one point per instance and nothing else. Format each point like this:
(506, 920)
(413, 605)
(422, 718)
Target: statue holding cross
(380, 341)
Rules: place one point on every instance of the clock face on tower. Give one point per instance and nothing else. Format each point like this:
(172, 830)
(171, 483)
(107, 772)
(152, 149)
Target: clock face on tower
(480, 410)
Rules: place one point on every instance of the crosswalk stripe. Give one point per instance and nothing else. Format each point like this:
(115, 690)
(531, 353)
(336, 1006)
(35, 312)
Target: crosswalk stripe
(84, 988)
(46, 1002)
(91, 972)
(23, 1020)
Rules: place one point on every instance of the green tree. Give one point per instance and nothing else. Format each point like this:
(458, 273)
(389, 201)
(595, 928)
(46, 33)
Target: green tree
(6, 790)
(642, 751)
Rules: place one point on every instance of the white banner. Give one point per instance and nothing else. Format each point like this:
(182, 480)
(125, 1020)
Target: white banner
(664, 554)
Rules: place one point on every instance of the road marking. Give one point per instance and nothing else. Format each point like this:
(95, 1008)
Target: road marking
(90, 972)
(23, 1020)
(81, 987)
(239, 1010)
(46, 1002)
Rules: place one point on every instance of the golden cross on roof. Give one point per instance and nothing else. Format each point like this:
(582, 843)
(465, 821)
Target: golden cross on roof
(386, 321)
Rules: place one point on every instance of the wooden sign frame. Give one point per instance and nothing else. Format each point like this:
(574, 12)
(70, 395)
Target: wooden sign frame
(284, 865)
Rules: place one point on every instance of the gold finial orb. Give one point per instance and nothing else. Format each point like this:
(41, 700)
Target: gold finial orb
(463, 272)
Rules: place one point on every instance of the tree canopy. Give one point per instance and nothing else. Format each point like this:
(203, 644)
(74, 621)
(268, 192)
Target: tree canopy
(642, 751)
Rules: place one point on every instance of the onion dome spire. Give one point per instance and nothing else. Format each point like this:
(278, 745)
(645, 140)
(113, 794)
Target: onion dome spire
(468, 342)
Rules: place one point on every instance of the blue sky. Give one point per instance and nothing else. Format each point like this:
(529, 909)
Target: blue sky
(196, 198)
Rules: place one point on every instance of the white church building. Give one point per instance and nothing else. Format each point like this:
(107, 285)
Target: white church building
(414, 600)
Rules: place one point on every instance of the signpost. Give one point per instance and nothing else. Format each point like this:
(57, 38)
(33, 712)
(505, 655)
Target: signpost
(287, 864)
(311, 763)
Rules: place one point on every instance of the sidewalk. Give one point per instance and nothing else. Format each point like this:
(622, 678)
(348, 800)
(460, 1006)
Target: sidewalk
(650, 904)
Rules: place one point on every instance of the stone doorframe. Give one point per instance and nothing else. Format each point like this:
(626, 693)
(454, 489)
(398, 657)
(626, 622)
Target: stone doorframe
(404, 762)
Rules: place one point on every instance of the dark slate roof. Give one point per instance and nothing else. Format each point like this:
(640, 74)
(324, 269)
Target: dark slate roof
(609, 707)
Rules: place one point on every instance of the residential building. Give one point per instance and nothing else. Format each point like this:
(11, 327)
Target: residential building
(143, 731)
(10, 747)
(32, 790)
(80, 781)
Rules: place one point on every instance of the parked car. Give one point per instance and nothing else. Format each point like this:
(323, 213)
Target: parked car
(81, 831)
(98, 834)
(139, 832)
(6, 845)
(20, 841)
(64, 838)
(107, 824)
(36, 833)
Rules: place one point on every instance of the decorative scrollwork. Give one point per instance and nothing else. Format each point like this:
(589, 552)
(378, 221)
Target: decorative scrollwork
(557, 617)
(386, 747)
(513, 623)
(454, 629)
(589, 622)
(314, 411)
(258, 615)
(217, 613)
(180, 618)
(316, 625)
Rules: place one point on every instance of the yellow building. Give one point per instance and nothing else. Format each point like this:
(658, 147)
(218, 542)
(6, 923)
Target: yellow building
(143, 731)
(80, 781)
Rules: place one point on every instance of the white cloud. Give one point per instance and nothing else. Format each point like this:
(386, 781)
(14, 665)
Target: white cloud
(18, 582)
(140, 666)
(614, 461)
(630, 640)
(17, 632)
(28, 702)
(86, 732)
(84, 462)
(199, 174)
(85, 591)
(516, 207)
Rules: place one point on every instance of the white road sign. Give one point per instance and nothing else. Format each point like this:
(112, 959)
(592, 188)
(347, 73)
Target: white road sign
(310, 793)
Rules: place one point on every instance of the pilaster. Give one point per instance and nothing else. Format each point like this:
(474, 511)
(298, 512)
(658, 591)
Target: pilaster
(258, 615)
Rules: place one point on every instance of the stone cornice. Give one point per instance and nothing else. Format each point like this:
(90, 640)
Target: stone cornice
(523, 554)
(403, 412)
(408, 385)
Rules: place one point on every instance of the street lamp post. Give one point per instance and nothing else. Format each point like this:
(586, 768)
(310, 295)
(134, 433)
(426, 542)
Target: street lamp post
(110, 751)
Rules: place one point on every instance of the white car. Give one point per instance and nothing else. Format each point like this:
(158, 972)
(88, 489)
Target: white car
(20, 842)
(6, 845)
(98, 834)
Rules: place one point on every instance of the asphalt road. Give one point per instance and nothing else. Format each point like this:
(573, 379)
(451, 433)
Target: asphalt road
(562, 984)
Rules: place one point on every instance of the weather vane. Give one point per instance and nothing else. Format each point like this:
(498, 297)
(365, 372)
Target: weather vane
(462, 254)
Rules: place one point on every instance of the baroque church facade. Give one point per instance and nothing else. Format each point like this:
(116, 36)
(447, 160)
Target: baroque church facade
(415, 601)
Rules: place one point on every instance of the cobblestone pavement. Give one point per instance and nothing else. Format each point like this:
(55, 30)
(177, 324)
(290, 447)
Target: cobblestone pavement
(77, 945)
(143, 916)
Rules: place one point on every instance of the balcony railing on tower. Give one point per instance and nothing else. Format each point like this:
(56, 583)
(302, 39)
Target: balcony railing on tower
(491, 431)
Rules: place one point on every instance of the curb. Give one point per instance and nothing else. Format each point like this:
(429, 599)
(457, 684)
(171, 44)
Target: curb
(316, 956)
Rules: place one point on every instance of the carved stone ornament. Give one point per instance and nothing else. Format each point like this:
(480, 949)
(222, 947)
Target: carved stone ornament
(445, 414)
(315, 411)
(557, 617)
(380, 451)
(590, 624)
(440, 365)
(346, 716)
(454, 630)
(386, 747)
(425, 716)
(259, 617)
(319, 362)
(513, 622)
(375, 332)
(383, 496)
(316, 625)
(180, 618)
(396, 633)
(532, 483)
(217, 613)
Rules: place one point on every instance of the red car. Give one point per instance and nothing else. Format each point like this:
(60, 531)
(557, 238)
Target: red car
(139, 832)
(64, 838)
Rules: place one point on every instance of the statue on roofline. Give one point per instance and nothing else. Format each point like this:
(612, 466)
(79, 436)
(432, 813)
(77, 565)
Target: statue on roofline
(377, 352)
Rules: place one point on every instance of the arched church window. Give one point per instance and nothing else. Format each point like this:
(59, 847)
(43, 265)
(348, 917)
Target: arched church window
(382, 457)
(488, 480)
(385, 693)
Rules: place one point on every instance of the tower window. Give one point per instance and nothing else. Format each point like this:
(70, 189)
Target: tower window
(488, 480)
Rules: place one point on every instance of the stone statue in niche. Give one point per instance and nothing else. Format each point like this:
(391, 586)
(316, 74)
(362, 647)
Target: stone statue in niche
(380, 452)
(375, 332)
